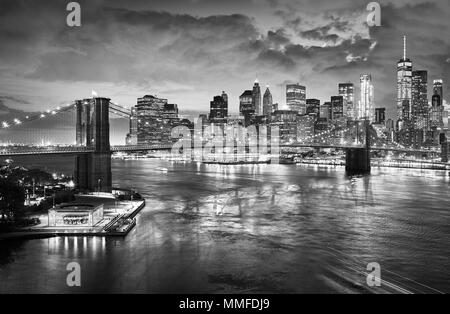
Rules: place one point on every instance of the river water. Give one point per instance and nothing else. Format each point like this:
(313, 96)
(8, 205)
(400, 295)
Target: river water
(251, 229)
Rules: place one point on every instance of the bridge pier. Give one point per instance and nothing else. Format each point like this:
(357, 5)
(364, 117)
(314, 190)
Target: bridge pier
(93, 170)
(357, 161)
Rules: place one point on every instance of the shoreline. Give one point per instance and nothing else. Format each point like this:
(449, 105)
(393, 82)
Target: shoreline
(424, 165)
(41, 234)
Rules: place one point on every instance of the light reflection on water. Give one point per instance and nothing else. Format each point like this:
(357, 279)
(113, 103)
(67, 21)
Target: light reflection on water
(253, 228)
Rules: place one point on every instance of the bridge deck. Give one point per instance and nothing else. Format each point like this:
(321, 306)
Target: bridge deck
(10, 151)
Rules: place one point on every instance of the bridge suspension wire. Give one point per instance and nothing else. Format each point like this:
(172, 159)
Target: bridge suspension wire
(41, 115)
(119, 110)
(331, 133)
(27, 129)
(19, 121)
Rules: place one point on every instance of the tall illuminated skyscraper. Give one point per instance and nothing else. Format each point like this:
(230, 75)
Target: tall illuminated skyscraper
(438, 90)
(338, 108)
(267, 102)
(346, 91)
(296, 98)
(366, 104)
(246, 106)
(256, 97)
(404, 83)
(312, 106)
(419, 111)
(219, 109)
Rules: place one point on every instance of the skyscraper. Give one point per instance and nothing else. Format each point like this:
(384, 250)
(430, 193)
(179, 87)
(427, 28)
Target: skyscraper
(296, 98)
(313, 106)
(225, 97)
(419, 111)
(219, 109)
(337, 105)
(154, 116)
(267, 102)
(366, 103)
(436, 112)
(380, 115)
(256, 98)
(246, 106)
(346, 91)
(305, 128)
(326, 111)
(438, 90)
(404, 82)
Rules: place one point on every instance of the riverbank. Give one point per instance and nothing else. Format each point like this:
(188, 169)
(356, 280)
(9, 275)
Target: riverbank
(402, 164)
(118, 221)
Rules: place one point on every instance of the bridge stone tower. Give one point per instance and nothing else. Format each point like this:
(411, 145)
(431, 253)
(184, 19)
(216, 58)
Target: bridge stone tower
(93, 170)
(357, 160)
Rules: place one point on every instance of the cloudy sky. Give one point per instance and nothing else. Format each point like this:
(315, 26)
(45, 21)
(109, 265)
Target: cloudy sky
(190, 50)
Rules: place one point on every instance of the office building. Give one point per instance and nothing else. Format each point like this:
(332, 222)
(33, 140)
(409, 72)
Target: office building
(256, 98)
(404, 82)
(305, 128)
(438, 90)
(326, 111)
(296, 98)
(346, 90)
(419, 111)
(337, 105)
(380, 115)
(246, 107)
(313, 106)
(219, 109)
(267, 102)
(287, 122)
(366, 104)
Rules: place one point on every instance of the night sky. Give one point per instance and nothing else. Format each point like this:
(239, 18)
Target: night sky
(189, 51)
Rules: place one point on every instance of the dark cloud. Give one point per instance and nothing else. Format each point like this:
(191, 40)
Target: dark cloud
(14, 100)
(190, 50)
(325, 33)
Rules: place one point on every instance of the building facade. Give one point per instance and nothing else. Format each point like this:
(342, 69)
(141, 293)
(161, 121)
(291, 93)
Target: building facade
(313, 106)
(246, 107)
(256, 98)
(346, 90)
(404, 82)
(419, 110)
(152, 120)
(296, 98)
(267, 102)
(366, 103)
(219, 109)
(338, 108)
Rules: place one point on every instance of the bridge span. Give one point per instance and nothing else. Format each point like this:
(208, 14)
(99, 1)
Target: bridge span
(93, 150)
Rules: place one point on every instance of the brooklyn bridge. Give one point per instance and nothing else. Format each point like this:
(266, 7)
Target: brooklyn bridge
(92, 149)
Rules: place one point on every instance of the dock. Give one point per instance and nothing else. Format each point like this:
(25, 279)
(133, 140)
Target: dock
(119, 219)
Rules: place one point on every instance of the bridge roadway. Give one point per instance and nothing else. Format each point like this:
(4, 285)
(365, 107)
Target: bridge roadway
(11, 151)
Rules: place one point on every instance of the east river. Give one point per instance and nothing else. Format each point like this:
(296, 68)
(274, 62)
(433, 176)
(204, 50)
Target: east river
(251, 229)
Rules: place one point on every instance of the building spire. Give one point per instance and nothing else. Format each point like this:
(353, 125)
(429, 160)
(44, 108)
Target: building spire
(404, 47)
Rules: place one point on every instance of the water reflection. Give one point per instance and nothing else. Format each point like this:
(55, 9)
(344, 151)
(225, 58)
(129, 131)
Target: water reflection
(254, 228)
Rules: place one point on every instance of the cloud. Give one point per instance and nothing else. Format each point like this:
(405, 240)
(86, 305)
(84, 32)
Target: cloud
(14, 100)
(190, 53)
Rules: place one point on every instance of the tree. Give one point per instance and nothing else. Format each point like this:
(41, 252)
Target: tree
(12, 199)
